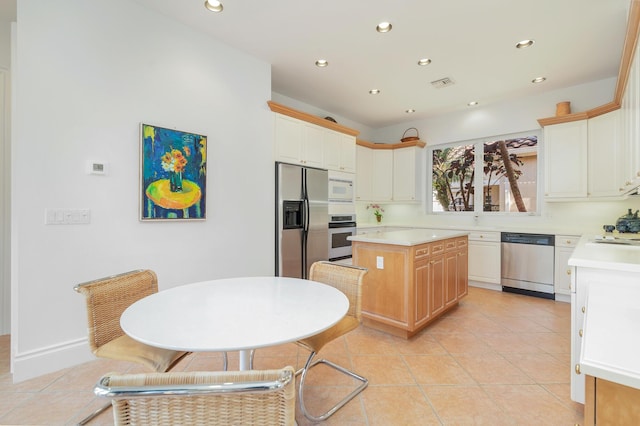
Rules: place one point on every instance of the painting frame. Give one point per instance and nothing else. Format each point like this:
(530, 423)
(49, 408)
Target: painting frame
(173, 174)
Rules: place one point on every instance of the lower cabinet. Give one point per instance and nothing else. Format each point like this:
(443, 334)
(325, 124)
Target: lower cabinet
(609, 403)
(565, 244)
(484, 257)
(407, 287)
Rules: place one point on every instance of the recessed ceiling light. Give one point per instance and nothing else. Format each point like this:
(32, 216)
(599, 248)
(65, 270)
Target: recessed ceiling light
(410, 111)
(213, 5)
(424, 61)
(383, 27)
(525, 43)
(473, 103)
(538, 79)
(374, 91)
(322, 63)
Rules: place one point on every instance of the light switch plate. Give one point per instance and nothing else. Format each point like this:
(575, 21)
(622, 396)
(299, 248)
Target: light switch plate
(379, 262)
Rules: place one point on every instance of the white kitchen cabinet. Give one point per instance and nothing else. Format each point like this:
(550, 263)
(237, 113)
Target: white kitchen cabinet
(364, 167)
(583, 277)
(382, 175)
(630, 120)
(565, 160)
(562, 271)
(407, 174)
(375, 174)
(606, 171)
(299, 142)
(484, 257)
(340, 151)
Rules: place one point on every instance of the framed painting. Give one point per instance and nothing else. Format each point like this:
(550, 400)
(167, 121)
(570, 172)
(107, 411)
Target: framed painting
(173, 182)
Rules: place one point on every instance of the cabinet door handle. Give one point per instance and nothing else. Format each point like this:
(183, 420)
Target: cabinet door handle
(584, 309)
(568, 271)
(580, 332)
(577, 368)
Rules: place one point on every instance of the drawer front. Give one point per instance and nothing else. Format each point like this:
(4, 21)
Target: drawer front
(437, 248)
(422, 251)
(484, 236)
(461, 242)
(567, 240)
(450, 245)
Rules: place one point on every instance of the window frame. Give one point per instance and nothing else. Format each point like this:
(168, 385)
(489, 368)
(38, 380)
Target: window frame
(478, 202)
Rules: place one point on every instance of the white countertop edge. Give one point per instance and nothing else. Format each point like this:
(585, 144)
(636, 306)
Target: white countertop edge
(610, 373)
(411, 237)
(605, 256)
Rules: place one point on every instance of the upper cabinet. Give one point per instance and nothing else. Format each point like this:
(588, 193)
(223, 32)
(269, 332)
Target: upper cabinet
(585, 159)
(596, 154)
(565, 147)
(606, 174)
(389, 172)
(406, 177)
(339, 151)
(311, 141)
(298, 142)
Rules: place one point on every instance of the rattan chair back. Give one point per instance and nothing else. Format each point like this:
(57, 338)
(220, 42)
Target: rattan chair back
(347, 279)
(107, 298)
(253, 397)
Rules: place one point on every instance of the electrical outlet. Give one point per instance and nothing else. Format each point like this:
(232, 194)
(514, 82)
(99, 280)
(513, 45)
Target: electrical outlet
(379, 262)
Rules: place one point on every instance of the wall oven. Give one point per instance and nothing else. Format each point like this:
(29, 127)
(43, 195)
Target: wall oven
(341, 227)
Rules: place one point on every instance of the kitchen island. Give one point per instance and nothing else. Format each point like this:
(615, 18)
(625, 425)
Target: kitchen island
(414, 277)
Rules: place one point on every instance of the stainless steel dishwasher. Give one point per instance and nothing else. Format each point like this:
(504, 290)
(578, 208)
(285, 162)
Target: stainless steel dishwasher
(527, 264)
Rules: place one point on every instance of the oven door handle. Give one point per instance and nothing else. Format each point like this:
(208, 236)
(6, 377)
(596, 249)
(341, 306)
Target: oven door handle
(335, 225)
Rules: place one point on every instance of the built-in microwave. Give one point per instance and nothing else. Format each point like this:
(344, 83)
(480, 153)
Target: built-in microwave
(340, 190)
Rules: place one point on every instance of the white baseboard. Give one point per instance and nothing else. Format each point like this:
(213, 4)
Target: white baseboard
(27, 365)
(563, 298)
(488, 286)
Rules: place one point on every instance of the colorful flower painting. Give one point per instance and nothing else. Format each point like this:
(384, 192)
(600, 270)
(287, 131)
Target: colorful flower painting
(174, 174)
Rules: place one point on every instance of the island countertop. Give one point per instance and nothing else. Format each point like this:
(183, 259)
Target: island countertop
(408, 237)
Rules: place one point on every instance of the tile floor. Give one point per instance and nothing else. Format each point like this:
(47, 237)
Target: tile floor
(496, 359)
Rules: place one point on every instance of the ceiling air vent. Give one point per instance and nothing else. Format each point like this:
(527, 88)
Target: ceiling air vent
(443, 82)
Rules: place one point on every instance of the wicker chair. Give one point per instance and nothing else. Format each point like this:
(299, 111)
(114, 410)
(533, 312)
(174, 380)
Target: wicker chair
(106, 299)
(250, 397)
(347, 279)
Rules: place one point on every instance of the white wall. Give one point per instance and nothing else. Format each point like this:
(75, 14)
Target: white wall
(87, 73)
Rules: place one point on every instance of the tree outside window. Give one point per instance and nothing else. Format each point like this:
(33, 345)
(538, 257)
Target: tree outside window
(507, 168)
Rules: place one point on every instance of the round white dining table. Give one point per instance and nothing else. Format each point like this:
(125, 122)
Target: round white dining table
(234, 314)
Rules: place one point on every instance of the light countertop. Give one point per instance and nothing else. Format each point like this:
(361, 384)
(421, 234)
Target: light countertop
(409, 237)
(473, 228)
(610, 345)
(619, 257)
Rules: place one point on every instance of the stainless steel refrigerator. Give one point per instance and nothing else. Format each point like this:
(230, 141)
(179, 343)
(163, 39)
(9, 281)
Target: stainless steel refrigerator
(302, 219)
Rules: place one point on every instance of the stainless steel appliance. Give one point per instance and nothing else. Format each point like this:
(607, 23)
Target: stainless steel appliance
(341, 193)
(527, 264)
(341, 227)
(302, 219)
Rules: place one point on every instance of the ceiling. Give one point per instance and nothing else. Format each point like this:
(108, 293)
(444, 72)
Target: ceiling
(471, 42)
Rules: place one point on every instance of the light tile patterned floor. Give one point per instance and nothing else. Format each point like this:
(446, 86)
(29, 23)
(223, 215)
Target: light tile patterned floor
(496, 359)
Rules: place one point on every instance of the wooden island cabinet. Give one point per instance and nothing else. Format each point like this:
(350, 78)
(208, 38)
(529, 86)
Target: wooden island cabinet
(414, 276)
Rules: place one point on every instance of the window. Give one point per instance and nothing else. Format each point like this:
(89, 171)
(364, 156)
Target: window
(492, 175)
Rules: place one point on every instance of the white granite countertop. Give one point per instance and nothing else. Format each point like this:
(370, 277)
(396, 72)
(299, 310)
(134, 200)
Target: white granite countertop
(617, 255)
(409, 237)
(610, 345)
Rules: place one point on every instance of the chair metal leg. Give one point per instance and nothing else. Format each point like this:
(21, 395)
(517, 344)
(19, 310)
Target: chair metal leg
(225, 361)
(94, 414)
(252, 354)
(342, 402)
